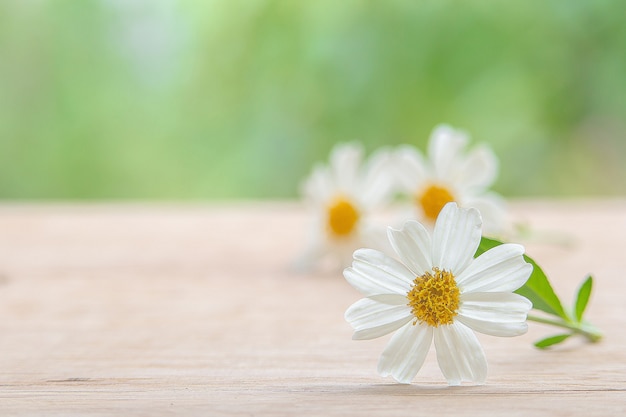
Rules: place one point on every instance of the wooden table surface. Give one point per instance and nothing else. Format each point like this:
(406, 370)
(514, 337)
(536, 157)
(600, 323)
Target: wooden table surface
(191, 309)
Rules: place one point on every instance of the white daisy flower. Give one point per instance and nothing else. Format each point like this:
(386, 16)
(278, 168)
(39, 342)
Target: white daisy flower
(450, 174)
(343, 196)
(438, 291)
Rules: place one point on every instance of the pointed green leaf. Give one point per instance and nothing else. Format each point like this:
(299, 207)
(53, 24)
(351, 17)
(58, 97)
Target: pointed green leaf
(537, 289)
(552, 340)
(582, 298)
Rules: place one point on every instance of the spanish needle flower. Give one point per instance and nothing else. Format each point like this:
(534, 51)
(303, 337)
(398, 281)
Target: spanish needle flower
(438, 291)
(450, 174)
(344, 195)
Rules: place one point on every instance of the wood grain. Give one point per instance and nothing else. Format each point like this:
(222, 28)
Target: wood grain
(160, 310)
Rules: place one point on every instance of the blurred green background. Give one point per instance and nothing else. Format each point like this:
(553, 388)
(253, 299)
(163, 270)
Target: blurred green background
(237, 99)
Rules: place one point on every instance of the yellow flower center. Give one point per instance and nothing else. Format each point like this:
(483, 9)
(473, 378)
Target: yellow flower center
(433, 200)
(342, 217)
(434, 298)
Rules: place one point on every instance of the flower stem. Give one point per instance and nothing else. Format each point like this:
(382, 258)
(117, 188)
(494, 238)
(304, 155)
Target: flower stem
(591, 333)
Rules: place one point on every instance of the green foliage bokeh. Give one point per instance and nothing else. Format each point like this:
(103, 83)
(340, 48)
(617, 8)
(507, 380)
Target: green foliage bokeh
(237, 99)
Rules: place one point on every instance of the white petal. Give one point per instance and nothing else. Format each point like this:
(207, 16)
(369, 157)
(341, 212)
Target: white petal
(460, 356)
(456, 238)
(345, 161)
(373, 273)
(377, 184)
(495, 313)
(444, 149)
(391, 299)
(371, 319)
(318, 188)
(413, 246)
(502, 268)
(492, 209)
(405, 354)
(478, 170)
(410, 168)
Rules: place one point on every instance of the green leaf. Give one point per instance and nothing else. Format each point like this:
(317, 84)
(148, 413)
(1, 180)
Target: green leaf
(537, 289)
(582, 298)
(552, 340)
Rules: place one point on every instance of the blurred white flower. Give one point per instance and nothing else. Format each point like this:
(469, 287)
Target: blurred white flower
(343, 196)
(438, 291)
(450, 174)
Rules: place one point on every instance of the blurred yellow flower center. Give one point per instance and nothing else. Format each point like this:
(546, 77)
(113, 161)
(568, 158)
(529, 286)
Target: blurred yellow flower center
(342, 217)
(433, 200)
(434, 298)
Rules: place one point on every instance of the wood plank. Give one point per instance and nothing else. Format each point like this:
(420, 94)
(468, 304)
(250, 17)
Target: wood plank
(163, 309)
